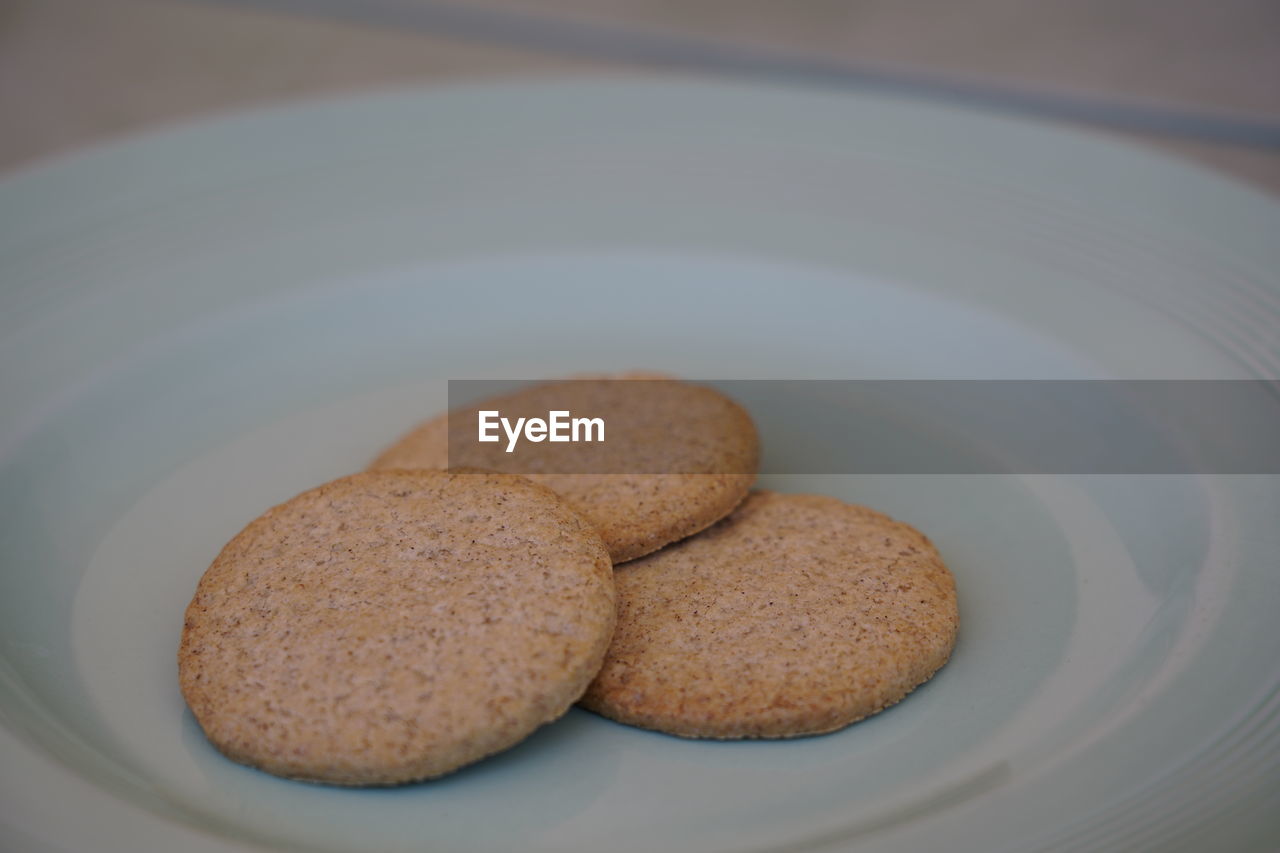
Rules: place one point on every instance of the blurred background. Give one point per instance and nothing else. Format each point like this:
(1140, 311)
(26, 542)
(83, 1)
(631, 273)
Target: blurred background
(1194, 78)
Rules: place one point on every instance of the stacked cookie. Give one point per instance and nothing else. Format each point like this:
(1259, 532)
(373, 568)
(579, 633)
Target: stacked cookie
(408, 620)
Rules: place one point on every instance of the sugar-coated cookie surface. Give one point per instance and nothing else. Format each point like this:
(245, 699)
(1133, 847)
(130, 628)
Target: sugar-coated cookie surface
(796, 615)
(395, 625)
(655, 424)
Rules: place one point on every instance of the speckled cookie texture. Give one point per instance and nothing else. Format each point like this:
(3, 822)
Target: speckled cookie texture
(395, 625)
(678, 456)
(796, 615)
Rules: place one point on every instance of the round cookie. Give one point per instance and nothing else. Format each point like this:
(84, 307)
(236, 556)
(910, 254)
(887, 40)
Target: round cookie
(796, 615)
(678, 458)
(395, 625)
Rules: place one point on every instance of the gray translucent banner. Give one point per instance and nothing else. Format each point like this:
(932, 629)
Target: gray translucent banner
(885, 426)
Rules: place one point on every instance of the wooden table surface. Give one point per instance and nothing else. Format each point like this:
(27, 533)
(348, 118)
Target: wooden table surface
(74, 72)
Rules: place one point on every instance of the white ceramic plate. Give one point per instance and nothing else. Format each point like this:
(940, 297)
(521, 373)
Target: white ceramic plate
(199, 323)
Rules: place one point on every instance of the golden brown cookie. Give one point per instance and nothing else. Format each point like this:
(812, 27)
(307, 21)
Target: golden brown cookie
(395, 625)
(796, 615)
(704, 442)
